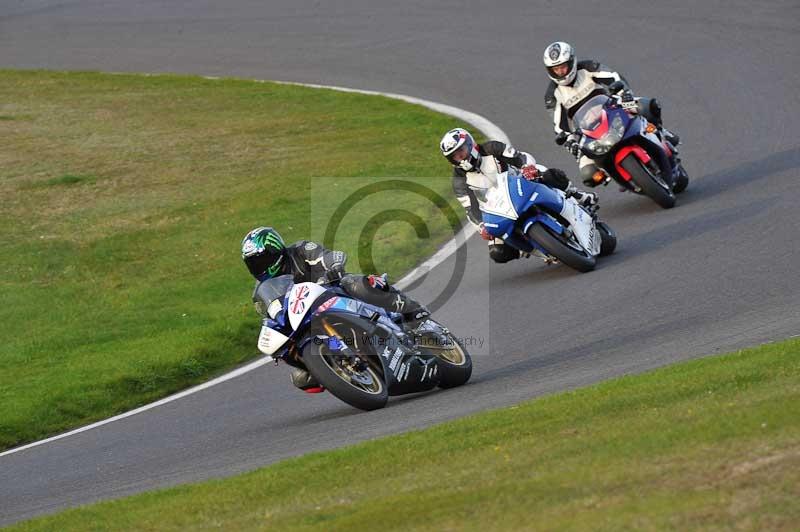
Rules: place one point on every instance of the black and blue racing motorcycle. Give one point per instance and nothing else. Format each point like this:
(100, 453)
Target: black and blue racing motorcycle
(359, 352)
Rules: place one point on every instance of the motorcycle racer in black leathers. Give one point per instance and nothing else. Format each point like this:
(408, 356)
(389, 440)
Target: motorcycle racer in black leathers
(572, 83)
(489, 159)
(266, 256)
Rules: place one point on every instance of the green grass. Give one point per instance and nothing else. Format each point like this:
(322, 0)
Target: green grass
(124, 200)
(65, 180)
(709, 444)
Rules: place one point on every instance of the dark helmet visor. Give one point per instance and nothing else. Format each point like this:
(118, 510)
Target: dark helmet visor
(259, 265)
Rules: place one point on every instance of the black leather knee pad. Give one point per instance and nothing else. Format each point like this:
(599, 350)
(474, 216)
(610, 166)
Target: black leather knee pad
(655, 110)
(352, 283)
(650, 108)
(503, 253)
(388, 298)
(588, 171)
(555, 178)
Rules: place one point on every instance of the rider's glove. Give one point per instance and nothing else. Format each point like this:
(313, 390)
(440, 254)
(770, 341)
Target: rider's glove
(627, 96)
(628, 102)
(331, 276)
(573, 145)
(530, 172)
(485, 234)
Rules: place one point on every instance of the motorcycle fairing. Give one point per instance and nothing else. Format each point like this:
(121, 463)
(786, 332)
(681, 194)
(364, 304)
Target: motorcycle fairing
(517, 195)
(639, 152)
(301, 300)
(270, 340)
(645, 146)
(499, 200)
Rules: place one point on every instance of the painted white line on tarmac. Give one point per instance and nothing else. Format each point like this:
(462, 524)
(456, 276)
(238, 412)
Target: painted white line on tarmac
(488, 128)
(485, 126)
(228, 376)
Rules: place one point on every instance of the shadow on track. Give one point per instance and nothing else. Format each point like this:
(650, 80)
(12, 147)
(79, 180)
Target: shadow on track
(593, 350)
(667, 234)
(746, 173)
(706, 186)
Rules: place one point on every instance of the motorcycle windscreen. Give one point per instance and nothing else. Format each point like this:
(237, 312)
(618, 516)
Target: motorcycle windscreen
(591, 118)
(271, 289)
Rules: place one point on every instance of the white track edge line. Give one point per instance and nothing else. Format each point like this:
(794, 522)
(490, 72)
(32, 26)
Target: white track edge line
(484, 125)
(222, 378)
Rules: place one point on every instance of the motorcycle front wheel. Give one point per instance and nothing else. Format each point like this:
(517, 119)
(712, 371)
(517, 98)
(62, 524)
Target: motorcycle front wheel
(609, 239)
(346, 376)
(652, 185)
(565, 251)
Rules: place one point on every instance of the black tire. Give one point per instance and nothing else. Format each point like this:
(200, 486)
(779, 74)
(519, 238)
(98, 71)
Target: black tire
(650, 184)
(319, 359)
(578, 260)
(455, 366)
(609, 239)
(682, 182)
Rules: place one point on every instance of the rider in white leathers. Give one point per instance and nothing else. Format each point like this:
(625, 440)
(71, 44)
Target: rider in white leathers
(573, 83)
(477, 162)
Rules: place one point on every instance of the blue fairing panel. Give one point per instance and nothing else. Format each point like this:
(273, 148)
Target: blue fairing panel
(543, 219)
(524, 194)
(496, 225)
(542, 196)
(519, 243)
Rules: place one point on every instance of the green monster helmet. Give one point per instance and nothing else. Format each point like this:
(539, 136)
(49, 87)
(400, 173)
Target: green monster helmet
(263, 252)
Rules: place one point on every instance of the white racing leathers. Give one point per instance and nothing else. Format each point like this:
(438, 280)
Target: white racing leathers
(592, 79)
(470, 187)
(496, 157)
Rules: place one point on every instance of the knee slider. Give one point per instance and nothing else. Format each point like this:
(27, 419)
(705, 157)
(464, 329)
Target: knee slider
(502, 253)
(588, 171)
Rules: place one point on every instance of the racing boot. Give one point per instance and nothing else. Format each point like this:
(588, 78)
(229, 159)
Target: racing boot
(305, 381)
(414, 318)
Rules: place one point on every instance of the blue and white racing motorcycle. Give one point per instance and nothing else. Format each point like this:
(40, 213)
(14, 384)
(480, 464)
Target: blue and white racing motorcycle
(359, 352)
(542, 221)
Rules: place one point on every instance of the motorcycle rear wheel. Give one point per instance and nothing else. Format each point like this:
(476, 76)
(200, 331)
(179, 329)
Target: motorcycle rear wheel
(555, 246)
(363, 388)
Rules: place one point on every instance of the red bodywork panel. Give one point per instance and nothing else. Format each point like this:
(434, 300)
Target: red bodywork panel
(600, 130)
(638, 151)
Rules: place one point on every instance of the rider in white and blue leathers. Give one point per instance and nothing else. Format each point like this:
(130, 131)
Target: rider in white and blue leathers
(489, 159)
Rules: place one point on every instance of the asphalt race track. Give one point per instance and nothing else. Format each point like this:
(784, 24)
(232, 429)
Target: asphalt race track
(718, 272)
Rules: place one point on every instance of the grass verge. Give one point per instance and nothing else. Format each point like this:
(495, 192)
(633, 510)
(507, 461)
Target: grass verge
(124, 199)
(709, 444)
